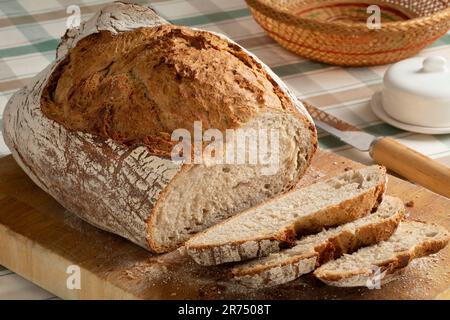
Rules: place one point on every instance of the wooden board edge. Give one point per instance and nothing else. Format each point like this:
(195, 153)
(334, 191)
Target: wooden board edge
(445, 295)
(42, 263)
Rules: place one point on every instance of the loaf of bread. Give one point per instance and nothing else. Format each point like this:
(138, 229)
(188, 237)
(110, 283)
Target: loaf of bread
(94, 128)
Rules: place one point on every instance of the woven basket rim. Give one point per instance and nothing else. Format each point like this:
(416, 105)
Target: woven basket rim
(290, 18)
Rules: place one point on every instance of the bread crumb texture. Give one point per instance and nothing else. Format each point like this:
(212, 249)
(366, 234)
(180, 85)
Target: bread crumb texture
(137, 87)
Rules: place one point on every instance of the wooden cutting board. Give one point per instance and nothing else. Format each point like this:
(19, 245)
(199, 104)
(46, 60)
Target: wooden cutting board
(39, 240)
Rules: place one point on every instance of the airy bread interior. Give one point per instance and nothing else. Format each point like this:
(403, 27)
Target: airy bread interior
(205, 195)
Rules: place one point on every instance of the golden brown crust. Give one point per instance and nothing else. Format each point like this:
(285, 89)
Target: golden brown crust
(137, 87)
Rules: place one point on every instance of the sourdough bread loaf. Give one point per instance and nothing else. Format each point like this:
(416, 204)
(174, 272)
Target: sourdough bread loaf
(369, 265)
(314, 250)
(94, 128)
(262, 230)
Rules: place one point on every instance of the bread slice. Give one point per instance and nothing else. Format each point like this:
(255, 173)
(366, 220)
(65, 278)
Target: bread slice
(313, 250)
(261, 230)
(411, 240)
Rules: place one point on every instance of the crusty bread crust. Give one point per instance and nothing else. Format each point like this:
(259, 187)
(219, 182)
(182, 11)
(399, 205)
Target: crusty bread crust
(274, 275)
(389, 267)
(346, 211)
(137, 87)
(111, 183)
(292, 266)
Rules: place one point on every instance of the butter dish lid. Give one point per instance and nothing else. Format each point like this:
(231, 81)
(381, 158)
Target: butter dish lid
(426, 77)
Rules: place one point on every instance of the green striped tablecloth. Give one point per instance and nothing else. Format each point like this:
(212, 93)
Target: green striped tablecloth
(30, 29)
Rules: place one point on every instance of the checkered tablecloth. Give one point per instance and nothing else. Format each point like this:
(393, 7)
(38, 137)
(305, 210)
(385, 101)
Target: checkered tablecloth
(29, 33)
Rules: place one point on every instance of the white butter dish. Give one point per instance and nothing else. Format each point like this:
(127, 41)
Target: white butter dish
(379, 111)
(416, 94)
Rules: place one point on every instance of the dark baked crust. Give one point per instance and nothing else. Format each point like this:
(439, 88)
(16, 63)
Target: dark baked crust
(137, 87)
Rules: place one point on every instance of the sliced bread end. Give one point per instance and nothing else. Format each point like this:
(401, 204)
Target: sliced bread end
(311, 251)
(412, 240)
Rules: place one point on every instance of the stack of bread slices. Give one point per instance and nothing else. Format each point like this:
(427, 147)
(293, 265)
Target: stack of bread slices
(344, 230)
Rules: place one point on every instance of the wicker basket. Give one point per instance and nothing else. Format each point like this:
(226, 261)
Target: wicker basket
(336, 31)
